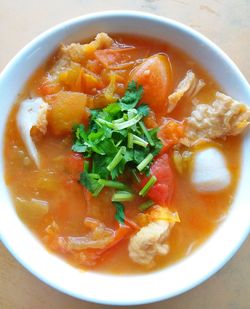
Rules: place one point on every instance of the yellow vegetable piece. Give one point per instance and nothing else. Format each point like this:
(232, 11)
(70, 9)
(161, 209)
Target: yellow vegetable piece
(67, 109)
(162, 213)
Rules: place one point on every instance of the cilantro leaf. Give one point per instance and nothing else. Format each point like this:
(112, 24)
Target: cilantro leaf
(119, 214)
(157, 142)
(113, 109)
(143, 110)
(116, 140)
(132, 96)
(79, 147)
(89, 182)
(99, 165)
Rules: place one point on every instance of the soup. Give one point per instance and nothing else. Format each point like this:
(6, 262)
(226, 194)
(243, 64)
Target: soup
(118, 154)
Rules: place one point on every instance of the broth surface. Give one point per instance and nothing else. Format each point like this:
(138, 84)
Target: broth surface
(68, 203)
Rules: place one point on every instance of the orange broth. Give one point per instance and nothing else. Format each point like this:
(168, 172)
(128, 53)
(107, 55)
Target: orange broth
(69, 202)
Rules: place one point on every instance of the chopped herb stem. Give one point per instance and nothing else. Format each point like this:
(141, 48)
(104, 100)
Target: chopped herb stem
(145, 162)
(148, 185)
(93, 175)
(117, 159)
(138, 180)
(86, 166)
(98, 190)
(104, 122)
(118, 120)
(127, 124)
(130, 140)
(122, 196)
(146, 205)
(139, 141)
(113, 184)
(145, 131)
(132, 113)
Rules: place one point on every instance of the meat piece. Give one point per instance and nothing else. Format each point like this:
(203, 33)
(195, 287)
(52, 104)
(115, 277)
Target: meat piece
(77, 52)
(32, 113)
(189, 86)
(223, 117)
(210, 173)
(149, 242)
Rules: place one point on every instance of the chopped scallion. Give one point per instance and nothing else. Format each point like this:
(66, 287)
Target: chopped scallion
(122, 196)
(128, 123)
(139, 141)
(94, 176)
(130, 140)
(86, 166)
(113, 184)
(145, 131)
(148, 185)
(146, 205)
(105, 122)
(138, 180)
(98, 189)
(117, 159)
(145, 162)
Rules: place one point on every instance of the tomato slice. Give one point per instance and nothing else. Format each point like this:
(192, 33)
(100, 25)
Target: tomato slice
(155, 75)
(74, 165)
(119, 58)
(170, 133)
(162, 191)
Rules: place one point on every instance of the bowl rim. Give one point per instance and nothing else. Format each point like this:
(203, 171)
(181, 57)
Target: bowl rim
(183, 28)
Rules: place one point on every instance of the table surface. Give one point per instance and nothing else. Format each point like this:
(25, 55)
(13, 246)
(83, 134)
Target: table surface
(227, 23)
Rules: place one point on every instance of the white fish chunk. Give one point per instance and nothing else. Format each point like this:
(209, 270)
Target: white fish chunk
(210, 173)
(32, 113)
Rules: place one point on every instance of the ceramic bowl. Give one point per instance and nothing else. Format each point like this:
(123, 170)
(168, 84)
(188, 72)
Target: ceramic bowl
(132, 289)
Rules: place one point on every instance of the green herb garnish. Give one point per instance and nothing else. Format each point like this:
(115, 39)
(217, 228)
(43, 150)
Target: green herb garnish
(116, 141)
(119, 214)
(122, 196)
(146, 205)
(147, 186)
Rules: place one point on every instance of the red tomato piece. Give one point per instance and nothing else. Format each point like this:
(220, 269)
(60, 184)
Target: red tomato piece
(170, 133)
(162, 191)
(155, 75)
(74, 165)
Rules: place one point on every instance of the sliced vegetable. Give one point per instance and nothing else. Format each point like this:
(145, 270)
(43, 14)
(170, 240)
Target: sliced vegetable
(74, 165)
(145, 131)
(170, 133)
(148, 185)
(113, 184)
(155, 75)
(117, 159)
(162, 191)
(67, 108)
(146, 205)
(119, 58)
(145, 162)
(163, 213)
(122, 196)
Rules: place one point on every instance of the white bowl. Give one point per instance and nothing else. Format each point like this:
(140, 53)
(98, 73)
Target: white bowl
(137, 289)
